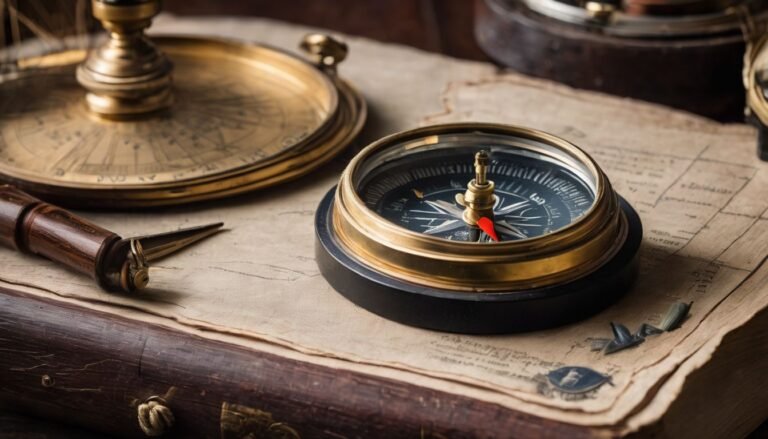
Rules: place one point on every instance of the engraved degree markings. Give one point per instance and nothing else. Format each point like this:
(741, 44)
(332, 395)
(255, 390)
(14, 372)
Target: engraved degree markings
(531, 199)
(78, 153)
(218, 123)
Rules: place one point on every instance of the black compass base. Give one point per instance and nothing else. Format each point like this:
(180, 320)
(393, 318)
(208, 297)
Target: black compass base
(474, 313)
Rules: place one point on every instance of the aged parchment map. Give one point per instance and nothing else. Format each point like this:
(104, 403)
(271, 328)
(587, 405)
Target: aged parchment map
(700, 190)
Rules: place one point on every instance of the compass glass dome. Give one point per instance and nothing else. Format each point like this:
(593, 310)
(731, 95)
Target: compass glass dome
(414, 184)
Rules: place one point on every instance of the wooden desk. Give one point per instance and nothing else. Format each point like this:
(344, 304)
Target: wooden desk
(406, 87)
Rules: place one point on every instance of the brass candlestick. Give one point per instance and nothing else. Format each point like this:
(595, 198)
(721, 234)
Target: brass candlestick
(127, 75)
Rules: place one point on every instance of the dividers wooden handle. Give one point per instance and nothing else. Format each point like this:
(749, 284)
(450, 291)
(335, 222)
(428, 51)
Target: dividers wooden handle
(33, 226)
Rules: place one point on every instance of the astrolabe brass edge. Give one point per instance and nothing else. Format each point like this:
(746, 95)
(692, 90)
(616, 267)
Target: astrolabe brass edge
(557, 258)
(309, 153)
(202, 47)
(286, 169)
(208, 47)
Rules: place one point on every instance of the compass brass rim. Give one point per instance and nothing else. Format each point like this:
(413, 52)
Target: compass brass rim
(561, 256)
(344, 120)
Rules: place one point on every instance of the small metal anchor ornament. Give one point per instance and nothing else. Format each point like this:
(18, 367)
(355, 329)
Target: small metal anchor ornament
(623, 338)
(676, 315)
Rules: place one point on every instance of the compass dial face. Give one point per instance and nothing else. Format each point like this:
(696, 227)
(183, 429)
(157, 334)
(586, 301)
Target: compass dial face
(535, 195)
(235, 107)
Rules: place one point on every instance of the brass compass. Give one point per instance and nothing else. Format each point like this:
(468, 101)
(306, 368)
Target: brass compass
(172, 120)
(477, 228)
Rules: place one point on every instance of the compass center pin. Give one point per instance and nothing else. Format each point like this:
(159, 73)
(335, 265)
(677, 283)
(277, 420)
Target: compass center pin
(478, 200)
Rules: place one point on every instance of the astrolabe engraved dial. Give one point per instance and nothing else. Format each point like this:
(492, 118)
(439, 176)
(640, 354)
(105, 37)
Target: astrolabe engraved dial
(237, 110)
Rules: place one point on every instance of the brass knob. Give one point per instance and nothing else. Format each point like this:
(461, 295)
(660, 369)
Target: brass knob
(135, 271)
(325, 51)
(600, 11)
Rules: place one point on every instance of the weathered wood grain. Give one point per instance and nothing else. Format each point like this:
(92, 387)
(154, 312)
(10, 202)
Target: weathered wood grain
(15, 426)
(100, 366)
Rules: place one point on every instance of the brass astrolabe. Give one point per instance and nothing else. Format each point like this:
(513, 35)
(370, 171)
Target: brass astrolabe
(477, 228)
(136, 122)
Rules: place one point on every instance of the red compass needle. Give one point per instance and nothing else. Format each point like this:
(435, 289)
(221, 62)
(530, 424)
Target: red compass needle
(486, 225)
